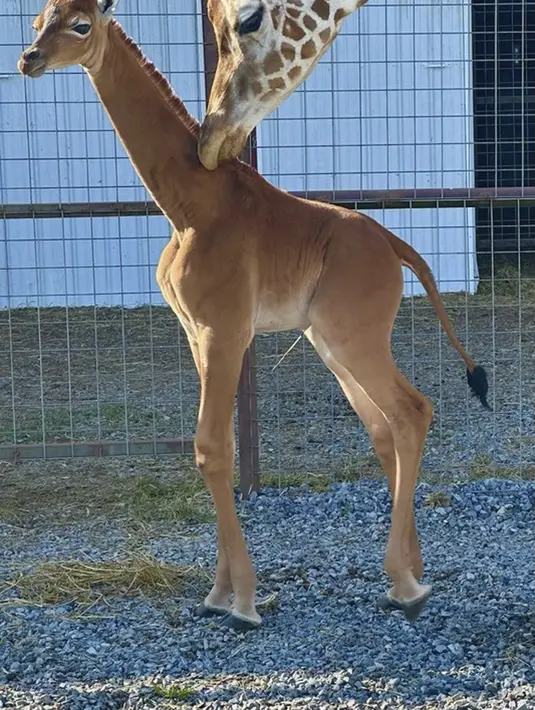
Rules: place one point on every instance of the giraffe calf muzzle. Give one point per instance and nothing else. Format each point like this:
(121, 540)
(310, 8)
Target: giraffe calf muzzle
(32, 63)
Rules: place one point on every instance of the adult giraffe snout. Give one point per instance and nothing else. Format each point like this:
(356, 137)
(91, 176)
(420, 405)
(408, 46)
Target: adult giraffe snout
(219, 141)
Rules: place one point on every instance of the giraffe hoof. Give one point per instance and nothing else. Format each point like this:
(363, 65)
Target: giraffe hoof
(411, 610)
(206, 611)
(239, 623)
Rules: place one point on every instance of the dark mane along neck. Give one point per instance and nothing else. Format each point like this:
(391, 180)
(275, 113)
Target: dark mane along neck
(166, 90)
(160, 81)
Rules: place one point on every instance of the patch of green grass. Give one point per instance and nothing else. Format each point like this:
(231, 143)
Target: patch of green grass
(352, 468)
(143, 492)
(186, 500)
(520, 441)
(365, 467)
(317, 482)
(174, 692)
(63, 422)
(269, 603)
(508, 284)
(437, 499)
(62, 493)
(482, 466)
(11, 513)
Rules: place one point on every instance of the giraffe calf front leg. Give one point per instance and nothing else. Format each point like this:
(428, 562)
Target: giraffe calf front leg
(217, 601)
(214, 449)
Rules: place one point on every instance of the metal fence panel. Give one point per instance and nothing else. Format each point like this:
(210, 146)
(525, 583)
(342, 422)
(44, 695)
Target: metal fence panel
(405, 116)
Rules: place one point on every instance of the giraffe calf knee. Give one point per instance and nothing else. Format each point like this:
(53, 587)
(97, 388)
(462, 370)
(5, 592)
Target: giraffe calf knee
(212, 453)
(412, 417)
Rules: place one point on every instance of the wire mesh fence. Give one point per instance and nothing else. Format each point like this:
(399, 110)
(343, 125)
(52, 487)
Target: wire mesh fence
(420, 115)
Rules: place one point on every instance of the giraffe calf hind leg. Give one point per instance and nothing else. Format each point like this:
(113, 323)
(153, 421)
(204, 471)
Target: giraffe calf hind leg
(234, 621)
(409, 418)
(396, 417)
(205, 610)
(411, 610)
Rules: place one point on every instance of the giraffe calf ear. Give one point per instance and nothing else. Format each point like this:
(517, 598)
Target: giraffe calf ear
(249, 18)
(107, 7)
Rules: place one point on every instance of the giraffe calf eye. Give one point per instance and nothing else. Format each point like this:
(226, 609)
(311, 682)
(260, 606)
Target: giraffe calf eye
(82, 28)
(252, 23)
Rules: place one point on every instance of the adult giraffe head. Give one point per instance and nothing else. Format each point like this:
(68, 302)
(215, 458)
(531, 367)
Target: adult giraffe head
(266, 49)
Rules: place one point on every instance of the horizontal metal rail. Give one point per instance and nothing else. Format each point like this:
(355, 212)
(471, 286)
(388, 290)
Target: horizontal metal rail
(84, 449)
(353, 199)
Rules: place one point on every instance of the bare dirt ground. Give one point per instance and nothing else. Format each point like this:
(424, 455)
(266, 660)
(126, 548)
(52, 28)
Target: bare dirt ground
(107, 373)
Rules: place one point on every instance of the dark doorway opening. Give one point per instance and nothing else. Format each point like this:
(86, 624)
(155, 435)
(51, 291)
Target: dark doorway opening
(503, 37)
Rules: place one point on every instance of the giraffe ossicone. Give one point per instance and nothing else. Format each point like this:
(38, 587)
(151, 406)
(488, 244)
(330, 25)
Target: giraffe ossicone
(266, 49)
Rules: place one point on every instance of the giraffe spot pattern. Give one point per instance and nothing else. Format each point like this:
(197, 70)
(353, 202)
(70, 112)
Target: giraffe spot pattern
(308, 50)
(268, 96)
(310, 23)
(276, 84)
(272, 63)
(321, 9)
(325, 35)
(276, 16)
(288, 51)
(300, 31)
(256, 87)
(292, 30)
(294, 73)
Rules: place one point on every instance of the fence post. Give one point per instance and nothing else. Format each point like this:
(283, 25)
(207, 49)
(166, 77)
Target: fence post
(247, 416)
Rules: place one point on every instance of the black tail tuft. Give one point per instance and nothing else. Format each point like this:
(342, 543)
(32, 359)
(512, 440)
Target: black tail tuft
(477, 380)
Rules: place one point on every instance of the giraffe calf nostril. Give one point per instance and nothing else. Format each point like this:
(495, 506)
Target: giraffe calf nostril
(32, 55)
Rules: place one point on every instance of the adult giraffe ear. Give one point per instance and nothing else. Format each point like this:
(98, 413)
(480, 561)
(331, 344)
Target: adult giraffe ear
(107, 7)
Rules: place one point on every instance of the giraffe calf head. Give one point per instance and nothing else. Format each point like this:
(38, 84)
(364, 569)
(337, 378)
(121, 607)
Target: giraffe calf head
(68, 32)
(266, 48)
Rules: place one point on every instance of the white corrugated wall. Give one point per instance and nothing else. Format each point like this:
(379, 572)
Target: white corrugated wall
(388, 106)
(57, 145)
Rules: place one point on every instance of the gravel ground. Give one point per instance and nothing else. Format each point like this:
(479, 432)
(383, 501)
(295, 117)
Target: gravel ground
(114, 374)
(325, 644)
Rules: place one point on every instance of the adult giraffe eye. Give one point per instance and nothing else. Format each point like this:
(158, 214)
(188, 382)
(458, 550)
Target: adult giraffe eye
(82, 29)
(252, 23)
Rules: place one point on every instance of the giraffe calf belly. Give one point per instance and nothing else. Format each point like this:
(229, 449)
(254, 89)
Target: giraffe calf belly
(289, 314)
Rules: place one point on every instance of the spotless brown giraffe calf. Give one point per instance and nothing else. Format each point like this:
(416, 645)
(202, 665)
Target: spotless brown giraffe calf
(246, 257)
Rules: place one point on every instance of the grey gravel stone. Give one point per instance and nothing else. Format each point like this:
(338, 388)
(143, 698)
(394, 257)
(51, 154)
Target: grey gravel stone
(326, 644)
